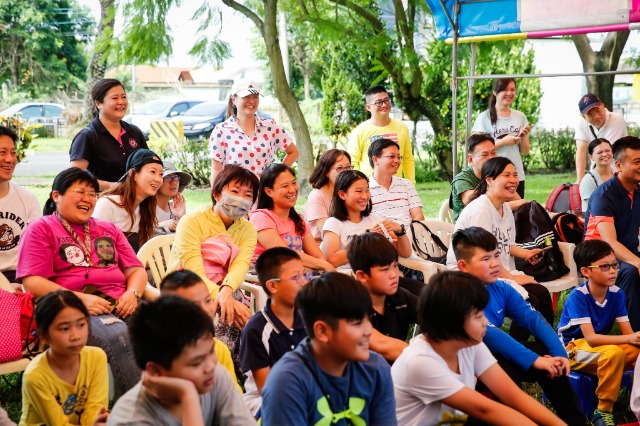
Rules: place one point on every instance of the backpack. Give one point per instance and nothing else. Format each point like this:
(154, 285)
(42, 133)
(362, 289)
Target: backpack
(565, 198)
(533, 227)
(569, 227)
(420, 243)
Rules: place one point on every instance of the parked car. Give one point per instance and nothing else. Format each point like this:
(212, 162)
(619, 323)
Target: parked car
(159, 110)
(36, 112)
(200, 120)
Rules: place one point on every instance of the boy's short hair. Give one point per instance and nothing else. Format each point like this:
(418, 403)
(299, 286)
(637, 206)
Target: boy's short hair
(476, 139)
(369, 250)
(269, 262)
(332, 297)
(465, 241)
(446, 303)
(160, 330)
(588, 252)
(377, 146)
(179, 279)
(374, 90)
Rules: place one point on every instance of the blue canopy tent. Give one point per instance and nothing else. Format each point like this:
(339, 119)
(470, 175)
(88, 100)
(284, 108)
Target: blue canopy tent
(471, 21)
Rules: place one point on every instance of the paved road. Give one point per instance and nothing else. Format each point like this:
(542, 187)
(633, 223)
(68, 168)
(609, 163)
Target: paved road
(40, 167)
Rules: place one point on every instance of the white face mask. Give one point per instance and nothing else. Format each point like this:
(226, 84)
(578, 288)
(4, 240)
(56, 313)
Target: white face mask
(234, 207)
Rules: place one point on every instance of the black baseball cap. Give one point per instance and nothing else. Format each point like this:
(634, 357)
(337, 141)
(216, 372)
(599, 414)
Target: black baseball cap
(138, 159)
(587, 102)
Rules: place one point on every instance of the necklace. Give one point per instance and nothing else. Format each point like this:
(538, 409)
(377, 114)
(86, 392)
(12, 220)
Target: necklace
(86, 245)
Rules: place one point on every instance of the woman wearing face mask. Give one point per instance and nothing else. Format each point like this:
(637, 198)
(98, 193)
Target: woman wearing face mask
(233, 193)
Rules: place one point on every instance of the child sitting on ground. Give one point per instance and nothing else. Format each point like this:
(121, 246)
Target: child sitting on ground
(278, 328)
(435, 376)
(375, 262)
(189, 285)
(587, 317)
(182, 382)
(331, 377)
(68, 383)
(543, 360)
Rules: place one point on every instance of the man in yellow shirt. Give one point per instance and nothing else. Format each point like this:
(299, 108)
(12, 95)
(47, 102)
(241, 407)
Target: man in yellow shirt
(380, 125)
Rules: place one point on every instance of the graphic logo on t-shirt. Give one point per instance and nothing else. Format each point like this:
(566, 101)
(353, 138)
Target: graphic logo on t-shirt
(75, 402)
(356, 406)
(8, 239)
(73, 254)
(133, 143)
(390, 136)
(105, 250)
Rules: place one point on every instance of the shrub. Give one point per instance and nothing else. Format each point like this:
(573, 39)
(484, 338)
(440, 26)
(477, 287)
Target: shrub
(26, 133)
(556, 147)
(190, 156)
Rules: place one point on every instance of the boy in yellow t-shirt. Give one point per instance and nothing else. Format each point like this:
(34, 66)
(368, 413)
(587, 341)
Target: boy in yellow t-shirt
(187, 284)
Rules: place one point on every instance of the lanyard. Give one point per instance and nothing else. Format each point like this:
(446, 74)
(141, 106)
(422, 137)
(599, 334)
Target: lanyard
(86, 246)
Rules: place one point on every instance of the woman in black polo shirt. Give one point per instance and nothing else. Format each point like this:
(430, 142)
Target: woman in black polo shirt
(105, 144)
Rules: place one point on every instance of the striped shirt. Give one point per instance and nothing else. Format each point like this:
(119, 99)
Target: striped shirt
(396, 202)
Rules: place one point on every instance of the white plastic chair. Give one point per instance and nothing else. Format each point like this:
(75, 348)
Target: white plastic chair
(154, 254)
(569, 280)
(446, 213)
(443, 230)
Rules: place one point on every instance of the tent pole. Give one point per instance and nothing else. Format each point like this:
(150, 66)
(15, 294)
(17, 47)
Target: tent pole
(454, 89)
(470, 89)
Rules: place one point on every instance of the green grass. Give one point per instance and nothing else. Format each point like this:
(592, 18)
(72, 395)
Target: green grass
(51, 144)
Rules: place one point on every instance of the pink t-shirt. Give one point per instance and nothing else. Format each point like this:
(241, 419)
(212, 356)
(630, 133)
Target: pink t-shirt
(47, 250)
(317, 207)
(265, 219)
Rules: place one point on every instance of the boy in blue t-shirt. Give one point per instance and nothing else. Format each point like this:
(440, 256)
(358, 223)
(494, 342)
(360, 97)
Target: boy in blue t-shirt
(331, 377)
(543, 360)
(588, 315)
(278, 328)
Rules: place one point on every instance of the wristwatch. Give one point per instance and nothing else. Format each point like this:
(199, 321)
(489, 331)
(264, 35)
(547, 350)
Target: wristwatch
(136, 293)
(402, 232)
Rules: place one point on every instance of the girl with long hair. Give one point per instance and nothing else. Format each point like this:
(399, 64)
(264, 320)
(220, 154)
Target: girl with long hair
(323, 179)
(277, 221)
(131, 203)
(509, 127)
(351, 215)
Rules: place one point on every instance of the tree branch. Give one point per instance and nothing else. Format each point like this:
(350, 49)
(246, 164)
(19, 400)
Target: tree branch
(614, 45)
(246, 12)
(585, 52)
(364, 13)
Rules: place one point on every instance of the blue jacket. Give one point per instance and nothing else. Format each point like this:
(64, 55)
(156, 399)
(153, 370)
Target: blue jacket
(504, 301)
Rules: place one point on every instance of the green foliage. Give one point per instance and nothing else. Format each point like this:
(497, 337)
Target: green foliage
(42, 45)
(190, 156)
(25, 132)
(341, 105)
(557, 148)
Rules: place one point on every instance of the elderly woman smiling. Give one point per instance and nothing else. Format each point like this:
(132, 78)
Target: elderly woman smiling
(69, 249)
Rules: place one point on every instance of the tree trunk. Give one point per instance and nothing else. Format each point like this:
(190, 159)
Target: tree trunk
(606, 59)
(98, 66)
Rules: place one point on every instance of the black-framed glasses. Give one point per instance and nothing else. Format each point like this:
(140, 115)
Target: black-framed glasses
(606, 266)
(379, 103)
(171, 177)
(300, 278)
(392, 157)
(342, 169)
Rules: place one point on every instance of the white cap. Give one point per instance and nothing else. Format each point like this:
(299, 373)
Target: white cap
(245, 87)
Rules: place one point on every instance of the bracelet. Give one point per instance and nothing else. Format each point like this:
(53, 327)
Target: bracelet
(402, 231)
(136, 293)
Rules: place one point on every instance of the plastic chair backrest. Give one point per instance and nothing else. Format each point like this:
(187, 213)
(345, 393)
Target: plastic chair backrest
(446, 213)
(442, 229)
(154, 255)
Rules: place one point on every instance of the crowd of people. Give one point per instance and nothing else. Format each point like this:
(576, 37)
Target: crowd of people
(335, 342)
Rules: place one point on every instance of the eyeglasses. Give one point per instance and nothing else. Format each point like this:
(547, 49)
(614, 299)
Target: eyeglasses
(91, 194)
(342, 169)
(172, 177)
(392, 157)
(300, 278)
(486, 154)
(605, 266)
(381, 102)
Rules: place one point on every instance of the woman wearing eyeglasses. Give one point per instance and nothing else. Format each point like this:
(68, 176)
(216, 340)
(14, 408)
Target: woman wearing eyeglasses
(67, 248)
(171, 206)
(277, 221)
(131, 204)
(322, 179)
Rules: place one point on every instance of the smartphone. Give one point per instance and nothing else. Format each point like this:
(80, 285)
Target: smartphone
(538, 257)
(528, 126)
(91, 289)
